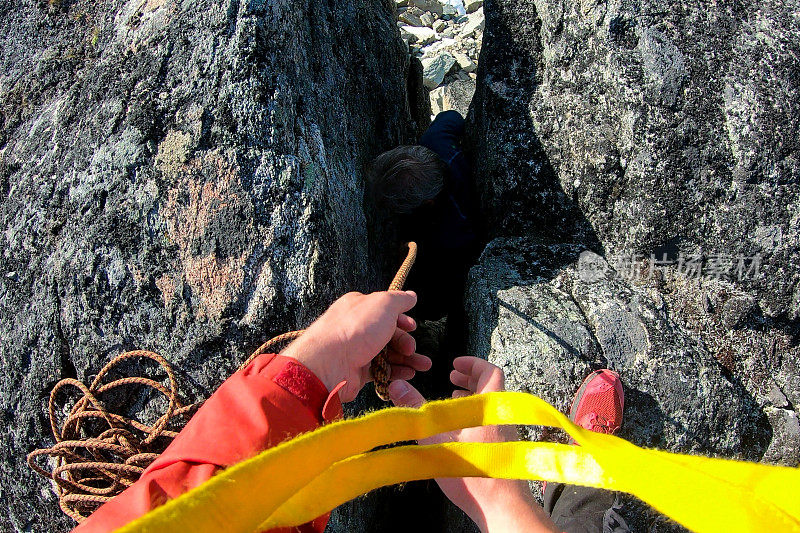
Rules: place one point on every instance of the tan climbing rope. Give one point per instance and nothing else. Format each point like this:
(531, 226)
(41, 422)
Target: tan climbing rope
(380, 368)
(89, 471)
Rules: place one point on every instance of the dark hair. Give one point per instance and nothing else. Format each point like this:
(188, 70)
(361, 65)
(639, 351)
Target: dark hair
(405, 177)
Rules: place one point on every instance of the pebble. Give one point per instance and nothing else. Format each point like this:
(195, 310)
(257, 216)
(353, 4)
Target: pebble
(435, 69)
(472, 5)
(439, 26)
(427, 19)
(421, 35)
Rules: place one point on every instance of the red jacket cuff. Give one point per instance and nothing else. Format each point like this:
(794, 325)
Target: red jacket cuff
(272, 399)
(295, 378)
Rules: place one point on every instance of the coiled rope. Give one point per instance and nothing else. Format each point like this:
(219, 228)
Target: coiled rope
(89, 471)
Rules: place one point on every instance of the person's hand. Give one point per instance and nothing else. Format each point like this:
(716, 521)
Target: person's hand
(340, 344)
(493, 504)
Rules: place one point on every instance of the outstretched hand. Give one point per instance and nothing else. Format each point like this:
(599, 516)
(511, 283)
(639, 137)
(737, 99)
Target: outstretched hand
(493, 504)
(340, 344)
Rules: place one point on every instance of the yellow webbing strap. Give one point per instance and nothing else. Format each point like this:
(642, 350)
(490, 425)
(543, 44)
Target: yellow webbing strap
(303, 478)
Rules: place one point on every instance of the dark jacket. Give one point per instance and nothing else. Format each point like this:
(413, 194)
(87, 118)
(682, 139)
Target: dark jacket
(445, 231)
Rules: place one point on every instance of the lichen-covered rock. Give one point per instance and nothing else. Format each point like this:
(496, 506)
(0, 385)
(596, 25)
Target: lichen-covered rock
(183, 177)
(547, 320)
(454, 95)
(647, 127)
(658, 134)
(533, 315)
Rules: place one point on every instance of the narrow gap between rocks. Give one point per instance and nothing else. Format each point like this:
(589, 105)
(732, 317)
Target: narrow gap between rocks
(445, 37)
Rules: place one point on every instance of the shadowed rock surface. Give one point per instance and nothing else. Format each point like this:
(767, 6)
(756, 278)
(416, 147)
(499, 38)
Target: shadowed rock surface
(647, 127)
(183, 177)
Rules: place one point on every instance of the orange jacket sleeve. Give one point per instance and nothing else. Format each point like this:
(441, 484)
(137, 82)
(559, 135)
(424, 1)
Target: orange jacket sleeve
(272, 399)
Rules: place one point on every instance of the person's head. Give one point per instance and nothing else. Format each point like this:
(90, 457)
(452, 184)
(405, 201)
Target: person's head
(406, 177)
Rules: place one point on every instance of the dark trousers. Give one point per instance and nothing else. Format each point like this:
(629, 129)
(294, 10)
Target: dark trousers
(576, 509)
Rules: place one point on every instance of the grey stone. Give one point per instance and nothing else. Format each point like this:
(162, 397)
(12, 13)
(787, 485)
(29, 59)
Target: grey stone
(786, 433)
(432, 6)
(472, 5)
(437, 47)
(436, 68)
(437, 101)
(454, 95)
(669, 125)
(189, 182)
(454, 7)
(464, 62)
(439, 26)
(412, 17)
(533, 314)
(533, 310)
(475, 22)
(777, 397)
(738, 309)
(427, 20)
(422, 35)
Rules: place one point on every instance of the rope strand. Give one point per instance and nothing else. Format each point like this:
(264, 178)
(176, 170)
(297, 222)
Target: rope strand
(89, 471)
(380, 368)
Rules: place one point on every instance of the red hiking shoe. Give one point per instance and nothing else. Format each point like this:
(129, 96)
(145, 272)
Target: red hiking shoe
(598, 404)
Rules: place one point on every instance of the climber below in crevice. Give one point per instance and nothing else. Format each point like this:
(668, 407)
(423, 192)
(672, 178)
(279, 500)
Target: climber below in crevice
(428, 188)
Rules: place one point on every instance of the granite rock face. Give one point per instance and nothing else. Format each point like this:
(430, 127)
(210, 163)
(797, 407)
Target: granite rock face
(647, 127)
(537, 315)
(183, 177)
(660, 135)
